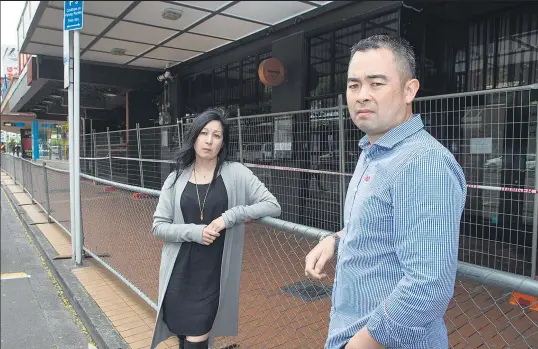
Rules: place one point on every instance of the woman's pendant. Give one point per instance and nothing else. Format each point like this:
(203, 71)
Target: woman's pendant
(201, 217)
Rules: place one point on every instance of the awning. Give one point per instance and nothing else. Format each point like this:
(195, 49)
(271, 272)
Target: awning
(152, 34)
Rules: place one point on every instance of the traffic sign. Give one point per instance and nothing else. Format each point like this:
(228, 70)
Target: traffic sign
(73, 15)
(14, 124)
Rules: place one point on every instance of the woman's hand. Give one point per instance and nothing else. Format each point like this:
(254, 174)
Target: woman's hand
(217, 225)
(209, 235)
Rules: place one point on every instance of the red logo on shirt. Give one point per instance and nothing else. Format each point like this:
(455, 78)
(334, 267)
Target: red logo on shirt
(367, 178)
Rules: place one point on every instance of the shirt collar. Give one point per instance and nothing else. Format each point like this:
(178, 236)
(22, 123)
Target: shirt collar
(397, 134)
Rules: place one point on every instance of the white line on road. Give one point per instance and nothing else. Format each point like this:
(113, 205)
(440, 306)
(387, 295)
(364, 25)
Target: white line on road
(11, 276)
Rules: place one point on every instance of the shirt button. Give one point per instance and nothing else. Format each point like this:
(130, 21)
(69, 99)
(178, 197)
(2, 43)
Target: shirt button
(357, 188)
(347, 221)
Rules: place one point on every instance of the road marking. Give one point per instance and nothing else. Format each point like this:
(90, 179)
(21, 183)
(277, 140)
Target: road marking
(9, 276)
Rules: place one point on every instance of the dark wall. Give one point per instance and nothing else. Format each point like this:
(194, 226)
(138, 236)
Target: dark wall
(290, 51)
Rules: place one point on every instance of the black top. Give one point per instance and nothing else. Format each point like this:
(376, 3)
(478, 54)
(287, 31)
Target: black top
(192, 297)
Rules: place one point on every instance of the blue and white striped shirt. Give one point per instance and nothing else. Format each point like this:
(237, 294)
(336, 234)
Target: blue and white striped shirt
(398, 256)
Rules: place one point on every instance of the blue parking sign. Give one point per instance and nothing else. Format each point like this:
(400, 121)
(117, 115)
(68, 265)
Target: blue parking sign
(73, 15)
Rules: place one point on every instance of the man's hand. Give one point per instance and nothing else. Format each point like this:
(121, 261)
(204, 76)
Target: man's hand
(363, 340)
(316, 259)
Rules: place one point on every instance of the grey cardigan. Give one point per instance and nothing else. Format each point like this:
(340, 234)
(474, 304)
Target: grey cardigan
(248, 198)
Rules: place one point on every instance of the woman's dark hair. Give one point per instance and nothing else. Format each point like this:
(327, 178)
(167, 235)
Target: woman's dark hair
(186, 155)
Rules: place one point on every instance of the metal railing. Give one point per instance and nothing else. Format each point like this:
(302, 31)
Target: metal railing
(306, 159)
(279, 307)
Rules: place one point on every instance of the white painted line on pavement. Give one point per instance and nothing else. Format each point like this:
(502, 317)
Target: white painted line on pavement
(11, 276)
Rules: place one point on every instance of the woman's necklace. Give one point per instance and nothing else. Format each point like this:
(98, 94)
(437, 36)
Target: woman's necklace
(200, 205)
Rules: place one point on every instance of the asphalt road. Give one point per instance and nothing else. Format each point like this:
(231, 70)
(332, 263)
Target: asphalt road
(33, 314)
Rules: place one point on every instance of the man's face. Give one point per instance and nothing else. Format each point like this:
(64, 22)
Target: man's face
(377, 96)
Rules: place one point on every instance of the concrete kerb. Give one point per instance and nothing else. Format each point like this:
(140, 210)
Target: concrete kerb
(96, 322)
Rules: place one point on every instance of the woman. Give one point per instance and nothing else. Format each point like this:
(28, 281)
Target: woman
(200, 217)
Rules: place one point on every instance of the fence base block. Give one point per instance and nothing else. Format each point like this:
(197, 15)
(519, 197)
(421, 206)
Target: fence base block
(110, 188)
(69, 256)
(524, 301)
(138, 196)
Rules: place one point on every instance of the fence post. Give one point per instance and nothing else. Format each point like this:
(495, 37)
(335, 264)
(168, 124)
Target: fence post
(84, 142)
(94, 154)
(534, 250)
(47, 197)
(179, 135)
(31, 186)
(139, 154)
(341, 155)
(182, 131)
(14, 169)
(240, 136)
(109, 151)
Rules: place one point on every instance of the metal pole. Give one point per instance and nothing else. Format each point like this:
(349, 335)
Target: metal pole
(47, 196)
(94, 153)
(76, 145)
(139, 154)
(534, 250)
(109, 152)
(14, 169)
(182, 131)
(341, 152)
(84, 140)
(70, 96)
(31, 182)
(179, 135)
(240, 135)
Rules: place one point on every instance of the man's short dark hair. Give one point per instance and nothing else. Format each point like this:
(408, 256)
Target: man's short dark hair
(401, 49)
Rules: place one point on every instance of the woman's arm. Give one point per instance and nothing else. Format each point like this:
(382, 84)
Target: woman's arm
(261, 203)
(163, 228)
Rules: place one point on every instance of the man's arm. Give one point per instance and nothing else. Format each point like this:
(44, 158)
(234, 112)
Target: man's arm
(429, 197)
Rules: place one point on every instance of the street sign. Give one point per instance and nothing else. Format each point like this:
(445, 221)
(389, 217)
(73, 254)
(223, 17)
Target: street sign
(14, 124)
(73, 15)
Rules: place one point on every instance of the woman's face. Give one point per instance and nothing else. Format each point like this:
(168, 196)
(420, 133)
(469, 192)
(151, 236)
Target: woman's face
(209, 141)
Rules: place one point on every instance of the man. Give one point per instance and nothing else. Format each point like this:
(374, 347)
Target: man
(398, 254)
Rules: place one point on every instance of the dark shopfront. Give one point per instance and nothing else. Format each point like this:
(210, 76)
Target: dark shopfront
(459, 48)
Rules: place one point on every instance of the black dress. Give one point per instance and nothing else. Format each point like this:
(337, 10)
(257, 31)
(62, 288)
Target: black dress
(192, 298)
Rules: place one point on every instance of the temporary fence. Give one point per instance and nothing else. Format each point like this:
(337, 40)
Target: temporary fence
(279, 306)
(306, 159)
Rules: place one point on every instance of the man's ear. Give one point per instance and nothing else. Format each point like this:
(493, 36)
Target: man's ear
(411, 88)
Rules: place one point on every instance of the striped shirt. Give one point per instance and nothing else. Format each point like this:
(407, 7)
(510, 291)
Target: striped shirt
(398, 256)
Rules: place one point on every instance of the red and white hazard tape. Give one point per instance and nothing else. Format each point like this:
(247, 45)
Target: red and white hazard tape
(305, 170)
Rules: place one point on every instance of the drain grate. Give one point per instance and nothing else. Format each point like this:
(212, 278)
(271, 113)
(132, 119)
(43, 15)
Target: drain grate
(308, 291)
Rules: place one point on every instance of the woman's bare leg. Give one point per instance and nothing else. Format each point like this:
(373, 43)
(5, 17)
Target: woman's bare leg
(197, 339)
(197, 342)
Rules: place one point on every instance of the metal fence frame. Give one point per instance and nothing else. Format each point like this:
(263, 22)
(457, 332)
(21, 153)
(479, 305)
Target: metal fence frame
(343, 176)
(486, 276)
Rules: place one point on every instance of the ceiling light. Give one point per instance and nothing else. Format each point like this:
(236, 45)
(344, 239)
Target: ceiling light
(172, 14)
(47, 101)
(118, 51)
(109, 94)
(55, 96)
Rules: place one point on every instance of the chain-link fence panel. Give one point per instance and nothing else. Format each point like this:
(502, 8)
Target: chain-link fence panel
(481, 316)
(117, 228)
(59, 197)
(38, 184)
(492, 134)
(297, 155)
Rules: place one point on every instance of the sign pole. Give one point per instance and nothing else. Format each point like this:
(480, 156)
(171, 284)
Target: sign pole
(76, 143)
(73, 22)
(68, 78)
